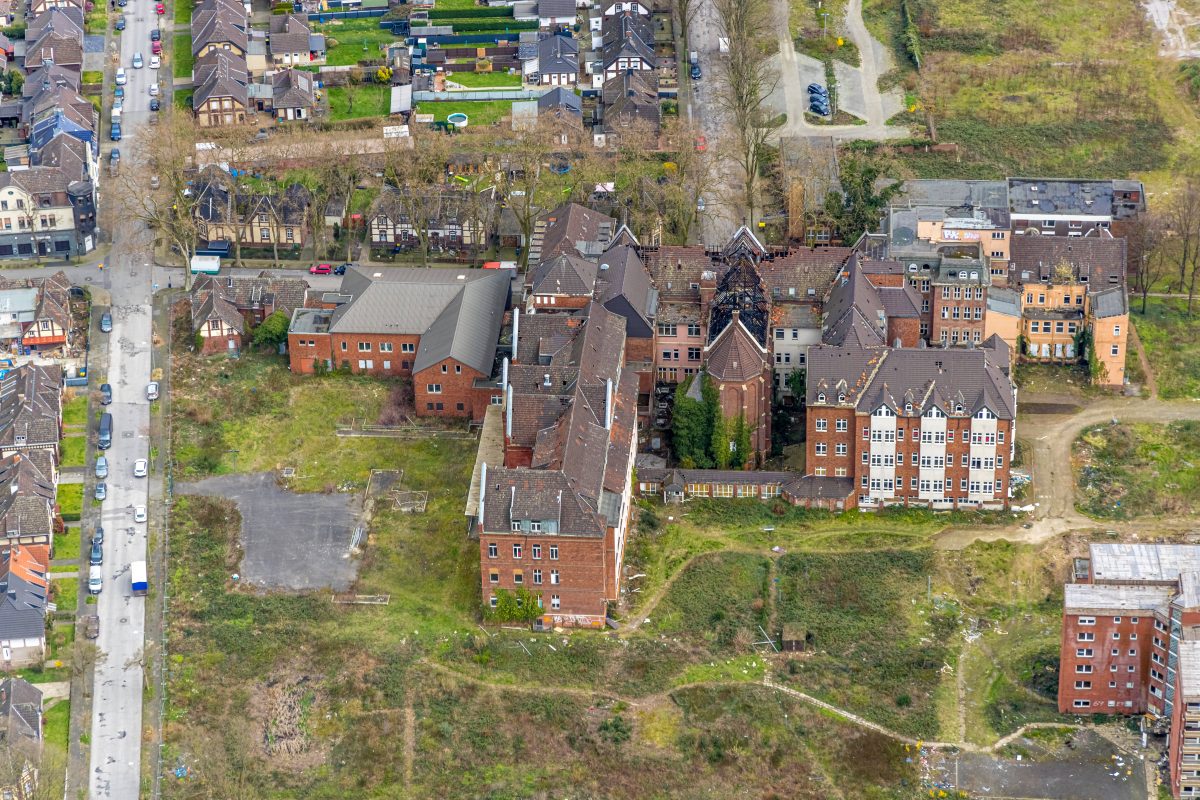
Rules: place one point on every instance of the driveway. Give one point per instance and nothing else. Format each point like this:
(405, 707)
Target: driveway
(290, 541)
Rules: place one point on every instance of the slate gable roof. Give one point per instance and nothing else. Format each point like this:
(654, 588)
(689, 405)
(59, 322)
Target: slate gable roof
(219, 74)
(735, 355)
(571, 224)
(627, 35)
(558, 55)
(292, 88)
(30, 406)
(622, 275)
(26, 497)
(629, 98)
(564, 275)
(289, 34)
(1099, 261)
(24, 587)
(20, 711)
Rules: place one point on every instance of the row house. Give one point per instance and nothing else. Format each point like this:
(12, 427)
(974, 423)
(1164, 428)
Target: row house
(439, 327)
(1131, 644)
(224, 309)
(625, 44)
(31, 409)
(36, 312)
(221, 43)
(553, 517)
(290, 40)
(451, 219)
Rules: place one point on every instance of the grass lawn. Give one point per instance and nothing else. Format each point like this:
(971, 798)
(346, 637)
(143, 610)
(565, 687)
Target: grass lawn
(70, 501)
(1016, 85)
(181, 56)
(353, 40)
(363, 100)
(1131, 470)
(183, 11)
(96, 20)
(720, 598)
(487, 80)
(92, 76)
(1171, 339)
(75, 410)
(74, 450)
(66, 596)
(183, 99)
(68, 545)
(58, 723)
(481, 112)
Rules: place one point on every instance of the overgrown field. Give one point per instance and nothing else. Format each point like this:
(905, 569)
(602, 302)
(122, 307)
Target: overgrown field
(1171, 338)
(1138, 469)
(1029, 88)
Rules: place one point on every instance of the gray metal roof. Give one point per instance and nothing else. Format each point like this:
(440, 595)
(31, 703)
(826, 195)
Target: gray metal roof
(1110, 302)
(1003, 301)
(1143, 563)
(1079, 597)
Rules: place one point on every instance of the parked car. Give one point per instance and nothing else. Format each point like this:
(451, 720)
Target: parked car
(119, 92)
(114, 155)
(816, 88)
(155, 49)
(695, 73)
(137, 61)
(101, 467)
(106, 322)
(140, 468)
(114, 132)
(120, 22)
(160, 9)
(819, 109)
(154, 104)
(95, 580)
(139, 513)
(96, 555)
(91, 625)
(154, 89)
(154, 182)
(340, 269)
(105, 394)
(101, 491)
(155, 61)
(121, 78)
(152, 390)
(320, 269)
(98, 535)
(155, 35)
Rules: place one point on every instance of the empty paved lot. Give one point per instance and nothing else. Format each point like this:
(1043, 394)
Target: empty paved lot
(290, 541)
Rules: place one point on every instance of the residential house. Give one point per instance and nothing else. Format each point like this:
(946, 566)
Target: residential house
(258, 220)
(289, 40)
(36, 312)
(21, 717)
(562, 282)
(27, 497)
(221, 97)
(558, 60)
(38, 213)
(552, 518)
(293, 96)
(561, 106)
(37, 7)
(552, 13)
(59, 49)
(572, 229)
(439, 326)
(225, 309)
(453, 220)
(627, 45)
(24, 590)
(30, 409)
(1131, 643)
(617, 7)
(629, 107)
(219, 26)
(46, 76)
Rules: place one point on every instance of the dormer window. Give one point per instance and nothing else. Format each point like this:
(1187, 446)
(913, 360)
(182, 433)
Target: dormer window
(535, 526)
(516, 524)
(821, 397)
(958, 409)
(908, 408)
(841, 397)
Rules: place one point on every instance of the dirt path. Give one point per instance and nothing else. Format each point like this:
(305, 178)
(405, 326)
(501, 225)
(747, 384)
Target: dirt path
(410, 746)
(1051, 437)
(1151, 381)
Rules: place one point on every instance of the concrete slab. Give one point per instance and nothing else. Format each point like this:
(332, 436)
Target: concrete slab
(850, 90)
(290, 541)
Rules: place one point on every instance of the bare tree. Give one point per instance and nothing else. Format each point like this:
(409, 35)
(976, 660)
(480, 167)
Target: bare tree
(419, 176)
(1146, 237)
(1183, 220)
(525, 182)
(49, 765)
(169, 211)
(685, 14)
(747, 79)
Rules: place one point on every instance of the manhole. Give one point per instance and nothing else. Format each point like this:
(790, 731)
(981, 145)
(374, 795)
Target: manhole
(124, 620)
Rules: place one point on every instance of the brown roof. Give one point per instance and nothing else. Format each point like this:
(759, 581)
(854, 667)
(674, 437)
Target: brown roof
(31, 406)
(631, 98)
(735, 355)
(289, 34)
(67, 21)
(219, 23)
(220, 73)
(1099, 261)
(62, 49)
(227, 297)
(901, 301)
(564, 275)
(677, 269)
(572, 223)
(54, 296)
(794, 274)
(292, 88)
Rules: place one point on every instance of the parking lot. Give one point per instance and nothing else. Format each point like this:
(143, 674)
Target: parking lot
(289, 541)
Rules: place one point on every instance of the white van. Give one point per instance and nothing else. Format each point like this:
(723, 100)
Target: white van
(95, 580)
(120, 76)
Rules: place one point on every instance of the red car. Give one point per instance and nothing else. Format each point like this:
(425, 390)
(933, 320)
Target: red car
(160, 9)
(701, 144)
(156, 48)
(320, 269)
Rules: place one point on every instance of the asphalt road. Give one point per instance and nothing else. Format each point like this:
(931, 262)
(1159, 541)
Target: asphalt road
(116, 736)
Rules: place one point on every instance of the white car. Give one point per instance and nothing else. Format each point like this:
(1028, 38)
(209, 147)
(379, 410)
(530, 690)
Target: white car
(152, 390)
(140, 468)
(120, 76)
(139, 513)
(155, 62)
(137, 61)
(154, 89)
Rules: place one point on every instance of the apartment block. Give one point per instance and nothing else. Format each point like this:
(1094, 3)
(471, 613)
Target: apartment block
(1131, 643)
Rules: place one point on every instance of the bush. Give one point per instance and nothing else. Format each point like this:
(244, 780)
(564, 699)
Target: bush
(465, 13)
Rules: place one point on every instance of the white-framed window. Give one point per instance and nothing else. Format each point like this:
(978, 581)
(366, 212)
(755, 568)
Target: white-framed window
(841, 426)
(1081, 703)
(554, 552)
(516, 551)
(408, 347)
(555, 578)
(555, 602)
(821, 448)
(822, 425)
(493, 551)
(536, 551)
(516, 524)
(840, 448)
(433, 388)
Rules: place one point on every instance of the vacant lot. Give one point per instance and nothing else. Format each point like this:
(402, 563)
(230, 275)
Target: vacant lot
(487, 80)
(359, 101)
(1125, 471)
(352, 40)
(480, 112)
(1171, 338)
(1024, 87)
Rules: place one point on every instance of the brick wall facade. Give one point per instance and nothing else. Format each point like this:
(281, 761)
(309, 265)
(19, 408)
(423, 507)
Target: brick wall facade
(957, 313)
(446, 389)
(1131, 638)
(583, 566)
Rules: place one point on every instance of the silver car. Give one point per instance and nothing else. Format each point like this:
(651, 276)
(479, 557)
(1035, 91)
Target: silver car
(152, 390)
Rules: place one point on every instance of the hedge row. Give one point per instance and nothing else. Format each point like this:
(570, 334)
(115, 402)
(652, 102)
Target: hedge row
(488, 25)
(468, 13)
